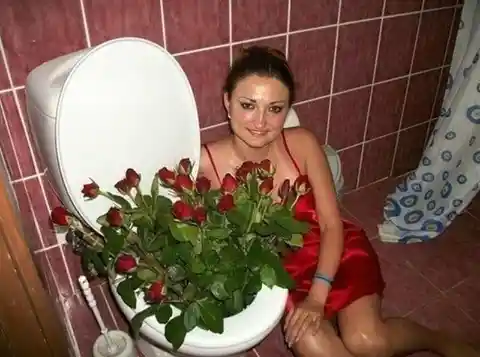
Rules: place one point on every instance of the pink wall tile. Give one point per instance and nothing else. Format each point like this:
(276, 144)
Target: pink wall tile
(306, 14)
(265, 18)
(396, 47)
(278, 43)
(350, 166)
(402, 6)
(431, 4)
(311, 59)
(3, 76)
(377, 159)
(348, 117)
(206, 72)
(56, 266)
(183, 19)
(357, 10)
(215, 133)
(410, 149)
(453, 36)
(109, 19)
(357, 47)
(36, 31)
(386, 108)
(314, 116)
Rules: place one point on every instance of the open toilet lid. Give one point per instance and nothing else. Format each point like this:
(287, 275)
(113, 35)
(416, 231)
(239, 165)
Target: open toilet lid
(126, 104)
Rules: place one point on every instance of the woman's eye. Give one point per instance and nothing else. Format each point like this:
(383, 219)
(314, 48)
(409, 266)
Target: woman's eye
(276, 110)
(247, 105)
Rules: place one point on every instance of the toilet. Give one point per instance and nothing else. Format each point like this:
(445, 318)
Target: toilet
(128, 103)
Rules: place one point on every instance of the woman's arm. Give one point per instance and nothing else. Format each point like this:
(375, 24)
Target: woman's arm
(319, 174)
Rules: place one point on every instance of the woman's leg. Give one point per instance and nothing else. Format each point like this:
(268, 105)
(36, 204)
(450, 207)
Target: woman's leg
(324, 343)
(365, 333)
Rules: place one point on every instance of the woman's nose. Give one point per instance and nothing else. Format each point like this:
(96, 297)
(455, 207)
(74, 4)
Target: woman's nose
(260, 120)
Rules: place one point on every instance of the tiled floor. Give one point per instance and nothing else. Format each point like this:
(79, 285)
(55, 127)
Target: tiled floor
(435, 283)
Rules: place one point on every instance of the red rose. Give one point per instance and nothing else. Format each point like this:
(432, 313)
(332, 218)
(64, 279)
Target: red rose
(284, 190)
(183, 183)
(302, 185)
(182, 211)
(114, 217)
(167, 176)
(90, 190)
(246, 168)
(155, 292)
(125, 264)
(229, 184)
(265, 168)
(185, 167)
(132, 177)
(60, 216)
(199, 215)
(123, 187)
(225, 203)
(203, 185)
(266, 186)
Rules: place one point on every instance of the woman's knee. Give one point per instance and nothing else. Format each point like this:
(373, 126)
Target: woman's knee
(368, 343)
(320, 343)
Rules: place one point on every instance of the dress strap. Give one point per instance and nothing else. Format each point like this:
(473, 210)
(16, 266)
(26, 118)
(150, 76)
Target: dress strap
(290, 153)
(213, 162)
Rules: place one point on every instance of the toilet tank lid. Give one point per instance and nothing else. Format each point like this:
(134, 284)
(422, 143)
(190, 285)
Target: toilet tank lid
(45, 83)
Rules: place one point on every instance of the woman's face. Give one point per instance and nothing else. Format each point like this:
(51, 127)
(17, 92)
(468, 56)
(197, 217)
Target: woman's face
(257, 108)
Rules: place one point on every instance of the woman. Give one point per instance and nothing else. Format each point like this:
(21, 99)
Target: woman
(337, 271)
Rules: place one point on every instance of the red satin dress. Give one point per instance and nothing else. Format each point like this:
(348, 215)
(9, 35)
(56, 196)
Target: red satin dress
(358, 273)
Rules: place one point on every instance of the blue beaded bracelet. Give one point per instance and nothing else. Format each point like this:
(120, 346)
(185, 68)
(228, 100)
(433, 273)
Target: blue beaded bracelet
(324, 278)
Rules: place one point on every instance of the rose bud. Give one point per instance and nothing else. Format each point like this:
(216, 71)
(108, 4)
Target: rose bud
(284, 190)
(183, 183)
(60, 216)
(132, 177)
(266, 186)
(200, 215)
(182, 211)
(90, 190)
(123, 187)
(185, 167)
(302, 185)
(229, 184)
(203, 185)
(125, 264)
(114, 217)
(225, 203)
(155, 292)
(246, 168)
(265, 168)
(166, 176)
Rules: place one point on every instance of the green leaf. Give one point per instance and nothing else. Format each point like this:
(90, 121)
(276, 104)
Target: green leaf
(91, 259)
(189, 292)
(211, 315)
(190, 316)
(126, 289)
(137, 321)
(255, 253)
(154, 188)
(102, 220)
(183, 232)
(296, 240)
(268, 276)
(114, 240)
(163, 313)
(119, 200)
(264, 229)
(197, 266)
(236, 303)
(175, 332)
(253, 285)
(176, 272)
(163, 219)
(285, 219)
(284, 280)
(218, 233)
(218, 288)
(146, 274)
(139, 201)
(154, 244)
(163, 204)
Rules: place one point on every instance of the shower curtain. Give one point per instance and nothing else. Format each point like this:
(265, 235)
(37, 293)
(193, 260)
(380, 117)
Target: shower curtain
(447, 178)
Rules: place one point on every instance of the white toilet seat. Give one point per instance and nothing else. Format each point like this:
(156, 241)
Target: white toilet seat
(105, 128)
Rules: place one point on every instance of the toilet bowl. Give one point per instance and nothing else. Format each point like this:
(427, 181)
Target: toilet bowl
(128, 103)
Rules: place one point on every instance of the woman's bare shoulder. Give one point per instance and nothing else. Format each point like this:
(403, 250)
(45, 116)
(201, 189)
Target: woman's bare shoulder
(213, 150)
(300, 140)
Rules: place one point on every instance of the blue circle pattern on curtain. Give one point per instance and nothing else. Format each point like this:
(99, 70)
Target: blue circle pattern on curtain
(426, 201)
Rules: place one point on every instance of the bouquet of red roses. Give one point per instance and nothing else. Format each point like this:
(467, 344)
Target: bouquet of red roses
(208, 253)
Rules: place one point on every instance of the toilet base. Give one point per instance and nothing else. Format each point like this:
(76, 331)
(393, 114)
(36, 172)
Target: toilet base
(150, 350)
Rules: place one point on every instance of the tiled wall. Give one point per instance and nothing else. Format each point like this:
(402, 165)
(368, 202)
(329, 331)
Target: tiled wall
(370, 79)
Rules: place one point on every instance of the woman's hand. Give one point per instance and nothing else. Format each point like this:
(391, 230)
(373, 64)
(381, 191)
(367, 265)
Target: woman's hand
(307, 315)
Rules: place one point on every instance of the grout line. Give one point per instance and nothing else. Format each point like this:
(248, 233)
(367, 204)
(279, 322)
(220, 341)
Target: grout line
(164, 31)
(417, 35)
(369, 107)
(85, 24)
(204, 49)
(27, 178)
(9, 90)
(287, 37)
(256, 352)
(9, 134)
(334, 64)
(439, 84)
(230, 30)
(41, 250)
(214, 126)
(110, 311)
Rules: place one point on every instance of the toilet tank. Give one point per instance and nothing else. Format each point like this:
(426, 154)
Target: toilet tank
(43, 88)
